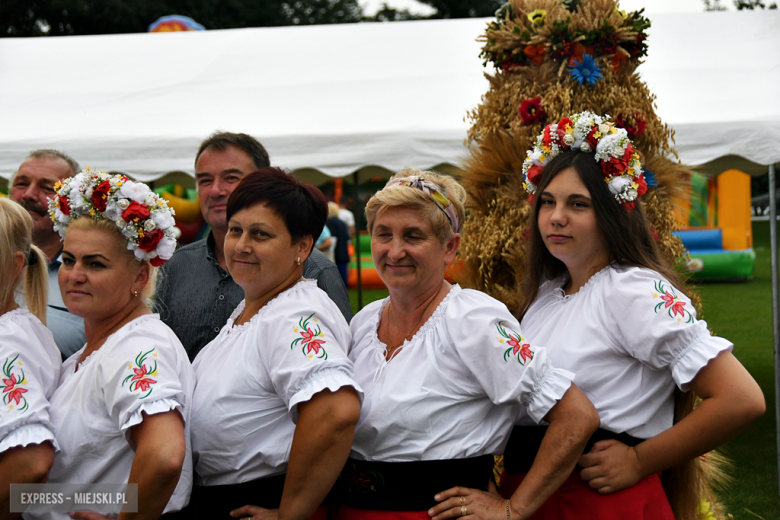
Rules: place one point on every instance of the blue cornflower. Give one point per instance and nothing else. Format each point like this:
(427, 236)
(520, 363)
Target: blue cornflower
(650, 178)
(586, 71)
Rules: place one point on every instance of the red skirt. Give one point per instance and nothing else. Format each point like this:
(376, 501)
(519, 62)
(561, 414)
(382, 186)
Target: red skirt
(351, 513)
(575, 500)
(321, 513)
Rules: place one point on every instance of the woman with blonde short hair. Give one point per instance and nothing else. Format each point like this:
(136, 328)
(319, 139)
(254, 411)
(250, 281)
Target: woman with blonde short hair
(446, 373)
(30, 359)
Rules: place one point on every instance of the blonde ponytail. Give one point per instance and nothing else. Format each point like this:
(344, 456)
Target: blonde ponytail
(16, 237)
(36, 283)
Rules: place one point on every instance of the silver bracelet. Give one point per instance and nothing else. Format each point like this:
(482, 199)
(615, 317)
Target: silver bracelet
(507, 510)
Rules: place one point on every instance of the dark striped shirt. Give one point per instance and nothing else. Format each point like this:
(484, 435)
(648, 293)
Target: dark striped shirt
(195, 296)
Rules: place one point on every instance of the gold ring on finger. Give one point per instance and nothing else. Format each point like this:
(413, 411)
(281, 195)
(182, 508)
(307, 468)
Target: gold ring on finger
(462, 500)
(463, 511)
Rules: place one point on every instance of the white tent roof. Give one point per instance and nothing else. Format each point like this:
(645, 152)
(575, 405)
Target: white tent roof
(342, 98)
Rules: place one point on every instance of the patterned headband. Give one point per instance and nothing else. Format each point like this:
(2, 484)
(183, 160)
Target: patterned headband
(434, 192)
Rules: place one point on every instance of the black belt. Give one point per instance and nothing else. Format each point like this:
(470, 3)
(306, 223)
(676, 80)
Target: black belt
(524, 443)
(216, 502)
(409, 486)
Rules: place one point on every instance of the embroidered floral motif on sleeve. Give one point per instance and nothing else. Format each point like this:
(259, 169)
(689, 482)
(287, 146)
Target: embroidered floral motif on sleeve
(12, 392)
(310, 340)
(139, 382)
(522, 351)
(672, 303)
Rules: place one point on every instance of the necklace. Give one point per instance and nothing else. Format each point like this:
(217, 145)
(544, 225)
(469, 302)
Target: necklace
(393, 348)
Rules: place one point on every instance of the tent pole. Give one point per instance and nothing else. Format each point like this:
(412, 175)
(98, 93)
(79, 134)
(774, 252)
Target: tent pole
(775, 303)
(358, 220)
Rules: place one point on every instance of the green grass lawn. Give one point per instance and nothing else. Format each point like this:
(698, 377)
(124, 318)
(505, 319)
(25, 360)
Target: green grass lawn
(742, 312)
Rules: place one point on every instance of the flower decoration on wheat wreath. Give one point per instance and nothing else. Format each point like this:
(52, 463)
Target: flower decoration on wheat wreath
(589, 133)
(144, 219)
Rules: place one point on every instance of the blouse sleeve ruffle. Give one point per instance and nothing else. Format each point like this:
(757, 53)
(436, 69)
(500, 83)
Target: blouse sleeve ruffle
(506, 365)
(326, 379)
(656, 323)
(34, 433)
(695, 356)
(150, 408)
(144, 366)
(548, 390)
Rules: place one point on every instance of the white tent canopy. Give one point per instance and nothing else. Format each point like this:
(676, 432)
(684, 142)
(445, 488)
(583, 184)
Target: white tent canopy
(337, 99)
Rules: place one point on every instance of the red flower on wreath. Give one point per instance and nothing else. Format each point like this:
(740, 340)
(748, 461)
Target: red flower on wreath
(64, 205)
(563, 124)
(135, 211)
(531, 111)
(157, 261)
(535, 173)
(641, 185)
(613, 167)
(547, 137)
(149, 241)
(100, 195)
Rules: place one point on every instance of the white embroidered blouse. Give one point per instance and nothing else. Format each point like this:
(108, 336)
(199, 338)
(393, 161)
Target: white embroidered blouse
(142, 367)
(457, 386)
(251, 377)
(31, 364)
(630, 336)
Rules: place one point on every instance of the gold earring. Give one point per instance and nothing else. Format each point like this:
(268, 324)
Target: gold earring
(299, 260)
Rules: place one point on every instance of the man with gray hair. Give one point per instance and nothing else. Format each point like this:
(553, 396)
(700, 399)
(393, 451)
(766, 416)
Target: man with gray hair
(31, 186)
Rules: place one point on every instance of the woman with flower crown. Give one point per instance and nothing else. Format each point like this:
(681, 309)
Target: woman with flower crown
(612, 311)
(31, 360)
(121, 410)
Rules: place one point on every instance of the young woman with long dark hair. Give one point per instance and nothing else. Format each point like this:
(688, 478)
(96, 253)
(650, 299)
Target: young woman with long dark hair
(613, 311)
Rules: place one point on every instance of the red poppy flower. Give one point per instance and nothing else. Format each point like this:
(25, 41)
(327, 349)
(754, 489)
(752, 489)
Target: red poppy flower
(531, 111)
(535, 173)
(628, 154)
(150, 240)
(100, 195)
(135, 211)
(16, 394)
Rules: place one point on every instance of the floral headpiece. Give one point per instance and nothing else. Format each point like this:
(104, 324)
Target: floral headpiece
(142, 216)
(589, 133)
(434, 192)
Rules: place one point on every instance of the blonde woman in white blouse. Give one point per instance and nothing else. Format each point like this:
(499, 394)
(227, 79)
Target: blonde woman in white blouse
(30, 359)
(446, 373)
(121, 408)
(275, 404)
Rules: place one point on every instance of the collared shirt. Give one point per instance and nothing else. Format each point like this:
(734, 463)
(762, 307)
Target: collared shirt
(195, 296)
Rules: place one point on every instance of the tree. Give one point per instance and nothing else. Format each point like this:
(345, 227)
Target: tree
(463, 8)
(66, 17)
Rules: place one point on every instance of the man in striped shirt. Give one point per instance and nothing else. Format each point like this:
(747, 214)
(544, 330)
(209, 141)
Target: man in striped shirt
(195, 293)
